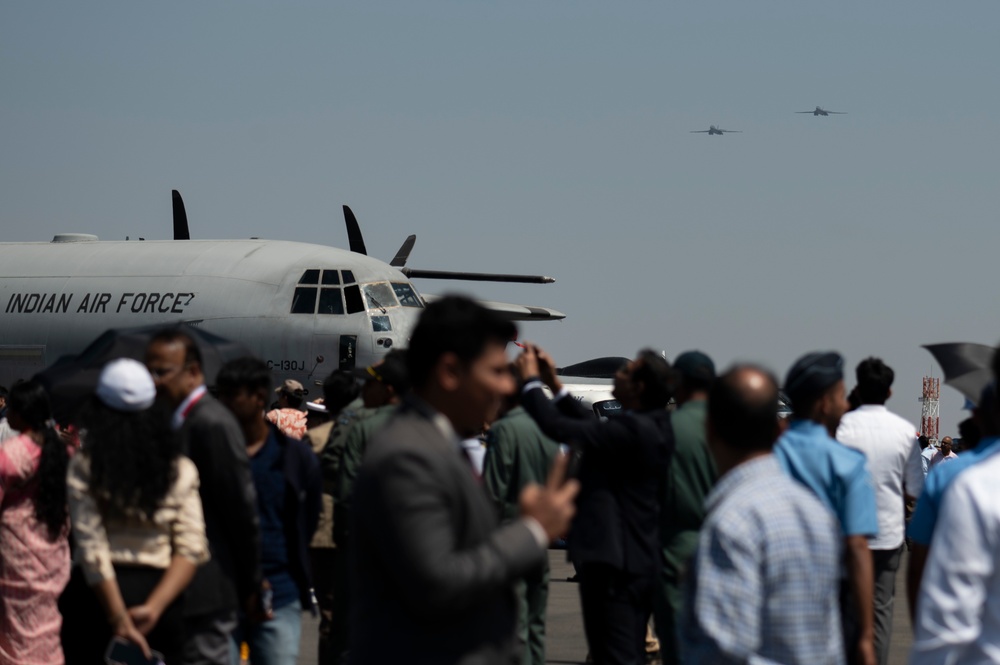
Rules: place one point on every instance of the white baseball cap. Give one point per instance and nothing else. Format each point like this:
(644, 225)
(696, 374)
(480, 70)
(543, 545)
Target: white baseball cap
(318, 407)
(126, 385)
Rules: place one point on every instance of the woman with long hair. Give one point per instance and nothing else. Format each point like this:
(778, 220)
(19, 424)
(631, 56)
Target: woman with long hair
(137, 522)
(34, 552)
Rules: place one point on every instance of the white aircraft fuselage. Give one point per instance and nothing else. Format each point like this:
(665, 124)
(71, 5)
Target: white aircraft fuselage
(290, 303)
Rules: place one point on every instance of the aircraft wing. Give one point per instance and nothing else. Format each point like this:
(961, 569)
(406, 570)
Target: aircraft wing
(731, 131)
(699, 131)
(514, 312)
(837, 112)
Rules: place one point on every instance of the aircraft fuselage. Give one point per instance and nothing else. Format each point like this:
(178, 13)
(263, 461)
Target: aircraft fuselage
(304, 309)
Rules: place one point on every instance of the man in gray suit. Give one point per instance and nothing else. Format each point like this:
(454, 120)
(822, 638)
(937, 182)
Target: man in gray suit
(433, 571)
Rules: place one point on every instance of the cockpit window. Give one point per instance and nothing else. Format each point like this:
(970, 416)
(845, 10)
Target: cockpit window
(407, 295)
(330, 302)
(381, 324)
(328, 291)
(304, 301)
(352, 295)
(379, 295)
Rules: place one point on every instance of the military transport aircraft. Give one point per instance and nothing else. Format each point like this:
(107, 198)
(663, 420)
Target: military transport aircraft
(305, 309)
(819, 111)
(713, 131)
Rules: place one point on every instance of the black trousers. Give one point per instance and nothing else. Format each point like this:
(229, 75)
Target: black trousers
(886, 563)
(616, 607)
(86, 632)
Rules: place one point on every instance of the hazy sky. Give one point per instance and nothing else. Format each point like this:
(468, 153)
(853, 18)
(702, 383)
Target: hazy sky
(551, 137)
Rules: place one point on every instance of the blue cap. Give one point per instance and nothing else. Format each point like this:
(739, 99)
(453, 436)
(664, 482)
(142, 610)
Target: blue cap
(812, 374)
(695, 365)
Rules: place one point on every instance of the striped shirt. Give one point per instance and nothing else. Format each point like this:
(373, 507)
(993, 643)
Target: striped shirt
(763, 584)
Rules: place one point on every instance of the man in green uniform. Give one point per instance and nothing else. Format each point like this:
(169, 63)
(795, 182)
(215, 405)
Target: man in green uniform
(385, 384)
(339, 390)
(518, 454)
(690, 478)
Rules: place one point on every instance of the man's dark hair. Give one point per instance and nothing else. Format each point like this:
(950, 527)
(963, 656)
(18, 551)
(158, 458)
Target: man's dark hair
(924, 441)
(192, 353)
(249, 372)
(802, 404)
(657, 377)
(743, 419)
(854, 399)
(293, 400)
(453, 324)
(968, 429)
(874, 381)
(3, 392)
(339, 389)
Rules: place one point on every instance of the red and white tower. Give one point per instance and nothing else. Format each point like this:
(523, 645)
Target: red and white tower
(930, 412)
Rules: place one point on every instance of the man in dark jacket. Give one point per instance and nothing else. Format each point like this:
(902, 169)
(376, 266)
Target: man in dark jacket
(289, 500)
(614, 541)
(213, 440)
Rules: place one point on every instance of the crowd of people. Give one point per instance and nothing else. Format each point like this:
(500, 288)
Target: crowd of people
(413, 505)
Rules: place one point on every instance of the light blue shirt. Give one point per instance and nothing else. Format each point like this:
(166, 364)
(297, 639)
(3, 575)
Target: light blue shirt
(938, 480)
(836, 474)
(763, 584)
(925, 458)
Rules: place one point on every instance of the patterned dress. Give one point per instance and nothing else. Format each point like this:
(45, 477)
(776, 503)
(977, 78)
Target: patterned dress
(291, 422)
(33, 569)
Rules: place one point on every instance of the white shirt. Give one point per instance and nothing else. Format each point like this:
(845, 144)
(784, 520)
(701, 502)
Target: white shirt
(958, 610)
(893, 453)
(476, 452)
(181, 413)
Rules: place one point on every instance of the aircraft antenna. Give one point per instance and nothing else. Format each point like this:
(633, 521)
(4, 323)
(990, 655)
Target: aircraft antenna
(181, 231)
(354, 237)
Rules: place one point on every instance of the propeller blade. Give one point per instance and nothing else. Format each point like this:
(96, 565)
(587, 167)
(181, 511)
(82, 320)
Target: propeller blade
(399, 260)
(181, 231)
(354, 237)
(477, 276)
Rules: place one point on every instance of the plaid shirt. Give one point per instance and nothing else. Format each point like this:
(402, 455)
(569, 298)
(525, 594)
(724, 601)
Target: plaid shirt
(763, 584)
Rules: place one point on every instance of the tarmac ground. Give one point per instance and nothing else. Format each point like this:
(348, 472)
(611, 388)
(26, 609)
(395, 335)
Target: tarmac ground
(564, 630)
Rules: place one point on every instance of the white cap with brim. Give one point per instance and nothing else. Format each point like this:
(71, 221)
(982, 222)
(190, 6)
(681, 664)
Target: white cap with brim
(126, 385)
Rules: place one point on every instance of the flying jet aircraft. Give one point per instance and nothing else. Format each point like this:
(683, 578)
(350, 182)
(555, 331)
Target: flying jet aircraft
(305, 309)
(819, 111)
(713, 130)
